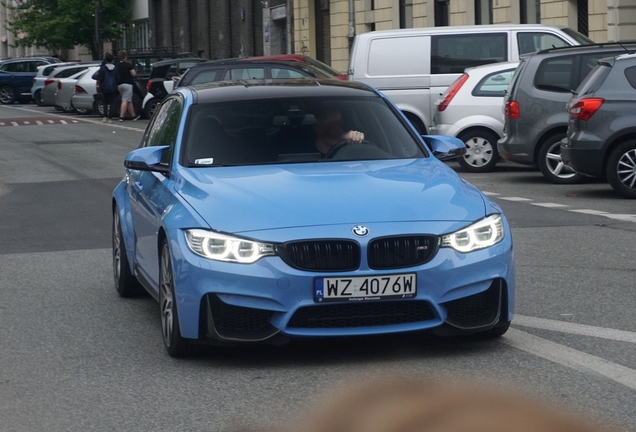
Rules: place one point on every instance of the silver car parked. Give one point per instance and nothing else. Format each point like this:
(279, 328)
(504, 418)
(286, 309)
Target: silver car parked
(66, 90)
(471, 109)
(50, 87)
(82, 99)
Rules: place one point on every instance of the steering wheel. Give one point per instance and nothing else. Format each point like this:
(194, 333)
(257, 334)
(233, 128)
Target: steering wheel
(336, 148)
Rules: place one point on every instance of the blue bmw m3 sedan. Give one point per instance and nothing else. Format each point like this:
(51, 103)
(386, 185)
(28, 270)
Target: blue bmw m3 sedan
(266, 210)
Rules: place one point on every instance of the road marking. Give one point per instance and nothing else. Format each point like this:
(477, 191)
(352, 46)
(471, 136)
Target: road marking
(574, 328)
(621, 217)
(515, 199)
(14, 123)
(570, 357)
(589, 211)
(490, 193)
(549, 205)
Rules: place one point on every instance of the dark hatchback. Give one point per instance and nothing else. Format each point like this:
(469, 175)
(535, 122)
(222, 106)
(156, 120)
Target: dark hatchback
(601, 138)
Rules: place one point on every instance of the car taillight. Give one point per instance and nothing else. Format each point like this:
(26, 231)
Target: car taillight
(59, 85)
(149, 86)
(452, 91)
(585, 108)
(79, 89)
(48, 81)
(511, 110)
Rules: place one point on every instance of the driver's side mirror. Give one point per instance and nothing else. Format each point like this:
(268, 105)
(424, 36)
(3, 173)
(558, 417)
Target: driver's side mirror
(445, 147)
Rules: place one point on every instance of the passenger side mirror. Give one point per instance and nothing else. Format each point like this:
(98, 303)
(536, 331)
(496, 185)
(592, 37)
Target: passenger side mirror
(445, 147)
(147, 159)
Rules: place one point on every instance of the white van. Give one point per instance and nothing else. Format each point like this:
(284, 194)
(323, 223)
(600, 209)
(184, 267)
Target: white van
(412, 67)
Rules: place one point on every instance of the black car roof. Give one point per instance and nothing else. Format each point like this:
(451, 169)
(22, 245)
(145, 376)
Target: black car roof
(223, 91)
(177, 59)
(244, 61)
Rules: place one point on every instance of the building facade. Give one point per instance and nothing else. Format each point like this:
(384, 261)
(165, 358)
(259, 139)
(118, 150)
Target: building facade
(324, 29)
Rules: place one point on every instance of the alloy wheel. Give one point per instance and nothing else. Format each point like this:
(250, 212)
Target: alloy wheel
(627, 169)
(167, 298)
(554, 163)
(116, 248)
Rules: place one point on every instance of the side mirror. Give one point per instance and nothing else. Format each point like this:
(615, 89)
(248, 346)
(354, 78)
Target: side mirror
(147, 159)
(445, 147)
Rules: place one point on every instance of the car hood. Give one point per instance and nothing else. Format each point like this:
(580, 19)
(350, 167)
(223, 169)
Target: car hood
(250, 198)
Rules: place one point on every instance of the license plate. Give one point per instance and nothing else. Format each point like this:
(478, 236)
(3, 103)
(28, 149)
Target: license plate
(365, 288)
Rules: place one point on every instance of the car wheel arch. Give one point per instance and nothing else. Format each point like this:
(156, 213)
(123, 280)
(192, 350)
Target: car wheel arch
(613, 142)
(477, 128)
(546, 136)
(416, 121)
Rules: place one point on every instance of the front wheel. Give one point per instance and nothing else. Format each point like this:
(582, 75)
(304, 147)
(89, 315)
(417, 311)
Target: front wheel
(551, 164)
(176, 345)
(481, 151)
(621, 169)
(126, 283)
(7, 95)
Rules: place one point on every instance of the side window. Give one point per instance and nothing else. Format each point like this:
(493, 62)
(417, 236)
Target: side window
(285, 73)
(494, 85)
(6, 67)
(533, 42)
(172, 71)
(207, 76)
(164, 127)
(454, 53)
(630, 74)
(555, 74)
(245, 73)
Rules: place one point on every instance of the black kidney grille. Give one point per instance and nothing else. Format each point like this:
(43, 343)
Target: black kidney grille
(396, 252)
(361, 314)
(322, 255)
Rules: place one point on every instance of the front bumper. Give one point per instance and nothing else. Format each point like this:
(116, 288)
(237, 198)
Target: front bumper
(269, 301)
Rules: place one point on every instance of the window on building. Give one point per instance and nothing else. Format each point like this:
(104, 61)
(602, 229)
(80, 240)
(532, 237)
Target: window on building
(406, 13)
(441, 13)
(583, 17)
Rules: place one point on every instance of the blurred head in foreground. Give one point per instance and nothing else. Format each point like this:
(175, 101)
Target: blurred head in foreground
(407, 405)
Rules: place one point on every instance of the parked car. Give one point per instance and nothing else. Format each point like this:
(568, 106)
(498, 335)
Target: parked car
(65, 91)
(51, 83)
(534, 109)
(142, 60)
(237, 69)
(244, 232)
(601, 137)
(413, 66)
(42, 74)
(82, 99)
(328, 70)
(161, 81)
(16, 78)
(471, 109)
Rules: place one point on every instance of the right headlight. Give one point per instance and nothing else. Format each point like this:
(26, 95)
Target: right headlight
(482, 234)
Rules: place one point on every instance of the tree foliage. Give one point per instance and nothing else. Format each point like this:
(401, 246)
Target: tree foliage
(64, 24)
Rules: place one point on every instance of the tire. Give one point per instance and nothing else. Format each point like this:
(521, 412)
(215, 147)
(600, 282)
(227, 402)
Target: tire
(551, 164)
(7, 95)
(126, 283)
(68, 109)
(621, 169)
(151, 107)
(82, 111)
(116, 105)
(481, 151)
(37, 98)
(176, 345)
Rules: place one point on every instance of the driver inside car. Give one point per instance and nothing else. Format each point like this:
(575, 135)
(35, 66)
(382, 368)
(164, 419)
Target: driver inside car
(330, 131)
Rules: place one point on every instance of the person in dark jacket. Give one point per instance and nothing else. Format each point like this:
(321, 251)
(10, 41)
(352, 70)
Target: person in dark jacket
(107, 78)
(126, 73)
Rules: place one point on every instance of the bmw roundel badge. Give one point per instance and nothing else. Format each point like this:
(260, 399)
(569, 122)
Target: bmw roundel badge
(360, 230)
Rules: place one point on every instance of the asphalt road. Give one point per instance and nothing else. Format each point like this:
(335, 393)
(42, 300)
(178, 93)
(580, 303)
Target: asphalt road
(74, 356)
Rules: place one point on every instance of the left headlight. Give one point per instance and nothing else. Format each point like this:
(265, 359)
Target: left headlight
(481, 234)
(221, 247)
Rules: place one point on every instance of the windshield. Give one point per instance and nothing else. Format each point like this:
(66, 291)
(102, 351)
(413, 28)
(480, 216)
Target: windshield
(582, 39)
(293, 130)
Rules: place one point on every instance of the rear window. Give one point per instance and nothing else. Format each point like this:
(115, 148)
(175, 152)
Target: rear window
(594, 80)
(453, 53)
(494, 84)
(206, 76)
(65, 73)
(630, 74)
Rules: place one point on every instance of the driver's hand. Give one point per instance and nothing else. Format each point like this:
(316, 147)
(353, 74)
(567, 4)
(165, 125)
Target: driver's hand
(353, 137)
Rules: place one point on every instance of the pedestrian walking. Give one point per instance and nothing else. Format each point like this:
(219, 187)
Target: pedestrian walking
(126, 73)
(107, 78)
